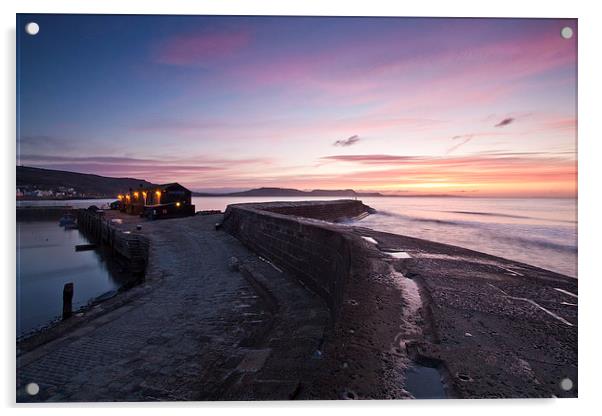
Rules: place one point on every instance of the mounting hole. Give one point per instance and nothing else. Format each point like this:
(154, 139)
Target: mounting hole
(32, 389)
(32, 28)
(566, 384)
(566, 32)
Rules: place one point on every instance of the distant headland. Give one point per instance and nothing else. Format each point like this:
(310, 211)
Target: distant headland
(49, 184)
(287, 192)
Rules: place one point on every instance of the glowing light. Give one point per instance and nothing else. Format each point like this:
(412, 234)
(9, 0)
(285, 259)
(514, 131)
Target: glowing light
(177, 204)
(136, 194)
(120, 197)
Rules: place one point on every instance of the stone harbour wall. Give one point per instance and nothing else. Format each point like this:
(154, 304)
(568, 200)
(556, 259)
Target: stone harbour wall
(131, 246)
(332, 211)
(295, 237)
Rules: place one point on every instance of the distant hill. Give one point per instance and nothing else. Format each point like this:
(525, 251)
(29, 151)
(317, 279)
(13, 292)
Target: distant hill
(86, 185)
(288, 192)
(96, 186)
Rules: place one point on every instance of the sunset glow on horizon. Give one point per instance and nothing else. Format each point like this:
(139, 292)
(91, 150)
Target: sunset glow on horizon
(472, 107)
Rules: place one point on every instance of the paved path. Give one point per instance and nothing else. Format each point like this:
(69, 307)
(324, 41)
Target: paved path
(198, 330)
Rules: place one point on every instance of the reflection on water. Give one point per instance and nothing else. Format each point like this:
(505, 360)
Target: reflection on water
(75, 203)
(424, 382)
(46, 260)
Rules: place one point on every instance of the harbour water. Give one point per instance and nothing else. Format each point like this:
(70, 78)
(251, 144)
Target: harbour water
(46, 260)
(537, 231)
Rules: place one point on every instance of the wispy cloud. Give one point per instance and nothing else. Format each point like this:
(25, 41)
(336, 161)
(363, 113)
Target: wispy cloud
(200, 49)
(478, 159)
(461, 140)
(505, 122)
(465, 75)
(347, 142)
(187, 170)
(87, 159)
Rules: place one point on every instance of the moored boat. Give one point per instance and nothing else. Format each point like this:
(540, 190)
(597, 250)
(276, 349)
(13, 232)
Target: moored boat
(68, 221)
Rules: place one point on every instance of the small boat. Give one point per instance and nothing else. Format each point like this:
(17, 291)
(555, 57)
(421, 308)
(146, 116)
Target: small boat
(67, 221)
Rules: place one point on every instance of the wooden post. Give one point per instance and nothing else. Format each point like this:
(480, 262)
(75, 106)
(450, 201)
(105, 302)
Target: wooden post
(67, 300)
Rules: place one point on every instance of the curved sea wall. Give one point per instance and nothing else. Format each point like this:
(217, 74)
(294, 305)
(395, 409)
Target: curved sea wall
(332, 211)
(288, 234)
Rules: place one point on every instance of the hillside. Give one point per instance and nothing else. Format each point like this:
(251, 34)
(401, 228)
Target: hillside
(289, 192)
(85, 185)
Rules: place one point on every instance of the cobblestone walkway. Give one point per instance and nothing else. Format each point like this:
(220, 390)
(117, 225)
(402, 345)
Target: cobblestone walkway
(200, 330)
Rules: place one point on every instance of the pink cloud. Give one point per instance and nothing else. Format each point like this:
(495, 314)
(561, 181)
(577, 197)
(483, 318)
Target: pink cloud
(345, 71)
(489, 159)
(561, 124)
(362, 72)
(201, 48)
(185, 170)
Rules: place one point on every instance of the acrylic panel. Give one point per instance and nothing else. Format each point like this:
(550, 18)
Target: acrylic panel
(295, 208)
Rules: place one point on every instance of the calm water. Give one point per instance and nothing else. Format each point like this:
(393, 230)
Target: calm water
(541, 232)
(76, 203)
(46, 260)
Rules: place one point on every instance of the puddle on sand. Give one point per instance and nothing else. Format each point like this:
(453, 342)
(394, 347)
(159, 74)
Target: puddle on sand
(370, 240)
(424, 382)
(398, 254)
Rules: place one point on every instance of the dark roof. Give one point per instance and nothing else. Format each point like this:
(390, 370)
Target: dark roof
(171, 185)
(163, 186)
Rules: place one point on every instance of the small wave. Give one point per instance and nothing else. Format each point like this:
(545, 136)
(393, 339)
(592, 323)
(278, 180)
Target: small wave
(545, 244)
(495, 214)
(495, 232)
(491, 214)
(418, 219)
(446, 222)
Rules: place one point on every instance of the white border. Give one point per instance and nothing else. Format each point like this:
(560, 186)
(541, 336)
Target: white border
(590, 160)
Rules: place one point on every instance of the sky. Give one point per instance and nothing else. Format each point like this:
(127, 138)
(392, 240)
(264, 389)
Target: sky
(472, 107)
